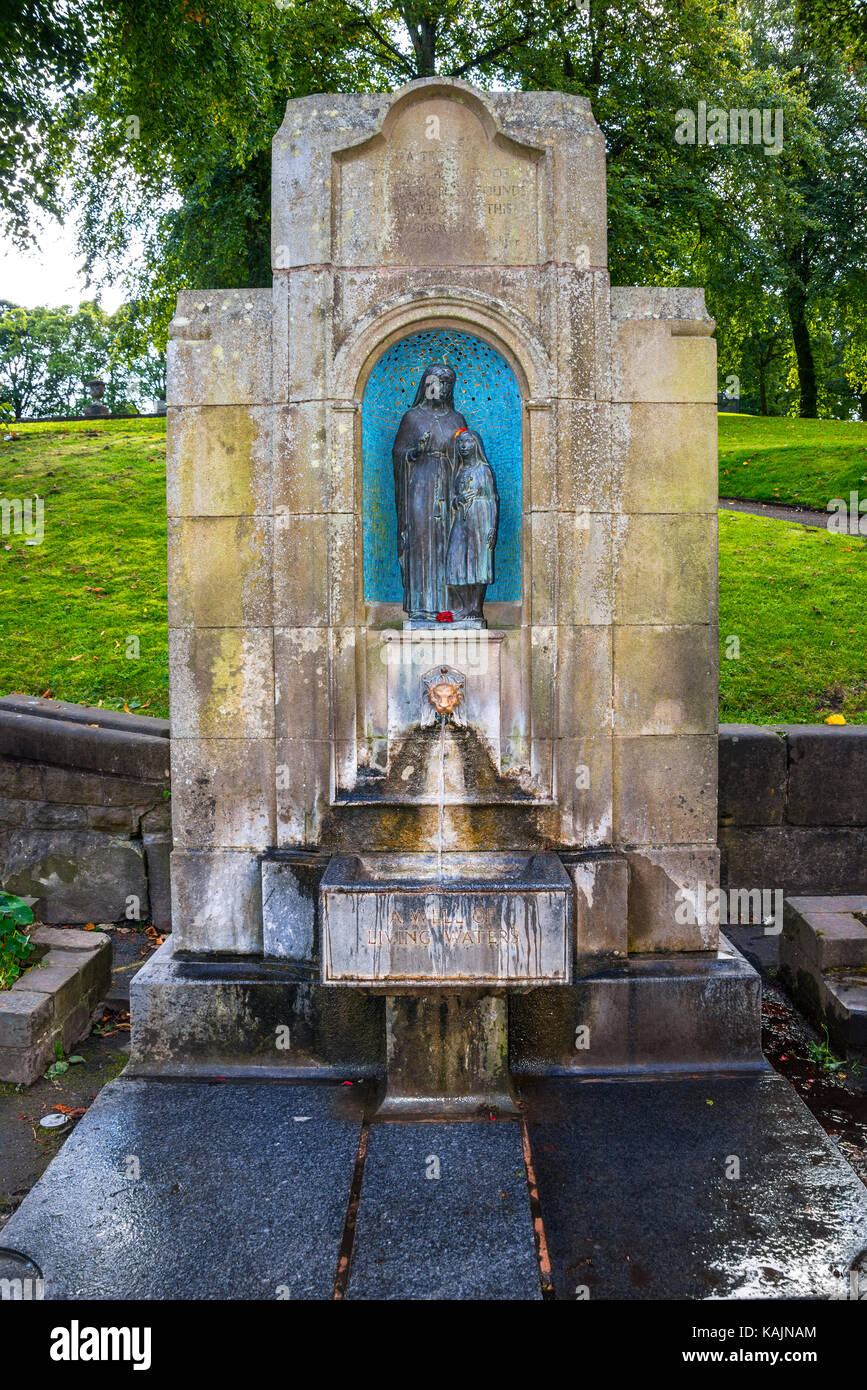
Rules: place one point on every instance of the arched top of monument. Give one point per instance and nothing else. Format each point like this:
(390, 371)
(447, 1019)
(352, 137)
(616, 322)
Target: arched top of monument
(439, 173)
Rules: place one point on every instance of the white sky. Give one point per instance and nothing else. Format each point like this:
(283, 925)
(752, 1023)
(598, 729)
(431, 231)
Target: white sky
(50, 274)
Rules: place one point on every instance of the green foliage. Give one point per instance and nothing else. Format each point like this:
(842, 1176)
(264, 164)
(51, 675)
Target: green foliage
(47, 356)
(821, 1054)
(61, 1064)
(43, 47)
(15, 945)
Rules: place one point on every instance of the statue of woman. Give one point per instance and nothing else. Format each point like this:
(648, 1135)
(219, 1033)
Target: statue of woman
(476, 515)
(423, 457)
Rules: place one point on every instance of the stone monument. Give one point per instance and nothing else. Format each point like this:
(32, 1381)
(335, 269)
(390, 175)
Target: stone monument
(443, 642)
(95, 408)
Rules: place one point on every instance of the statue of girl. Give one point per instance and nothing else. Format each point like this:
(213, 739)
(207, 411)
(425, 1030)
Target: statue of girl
(475, 518)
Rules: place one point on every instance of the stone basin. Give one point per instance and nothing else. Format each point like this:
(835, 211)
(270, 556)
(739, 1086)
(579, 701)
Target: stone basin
(465, 919)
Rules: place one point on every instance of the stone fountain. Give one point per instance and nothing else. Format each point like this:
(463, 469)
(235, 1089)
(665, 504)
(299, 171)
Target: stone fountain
(442, 624)
(442, 607)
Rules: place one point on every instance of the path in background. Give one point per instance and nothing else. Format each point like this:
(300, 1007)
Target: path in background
(804, 515)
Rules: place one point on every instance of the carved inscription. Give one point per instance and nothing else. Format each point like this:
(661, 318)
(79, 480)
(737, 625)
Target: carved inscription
(451, 199)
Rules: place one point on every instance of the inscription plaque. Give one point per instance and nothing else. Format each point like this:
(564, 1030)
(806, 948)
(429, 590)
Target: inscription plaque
(498, 918)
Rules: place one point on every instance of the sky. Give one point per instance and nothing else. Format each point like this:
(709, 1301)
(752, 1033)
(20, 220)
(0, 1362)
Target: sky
(50, 274)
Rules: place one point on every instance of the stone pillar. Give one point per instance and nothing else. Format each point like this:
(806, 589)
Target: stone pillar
(221, 660)
(665, 654)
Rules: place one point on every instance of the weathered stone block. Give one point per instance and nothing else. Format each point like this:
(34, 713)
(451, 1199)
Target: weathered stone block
(576, 332)
(585, 464)
(223, 793)
(71, 743)
(582, 690)
(650, 364)
(827, 775)
(220, 572)
(543, 571)
(303, 778)
(17, 812)
(120, 820)
(218, 461)
(311, 308)
(216, 901)
(666, 570)
(48, 816)
(566, 123)
(667, 890)
(219, 350)
(222, 682)
(584, 577)
(665, 680)
(70, 939)
(676, 1013)
(78, 876)
(157, 819)
(22, 781)
(314, 572)
(668, 455)
(661, 348)
(58, 976)
(795, 858)
(583, 779)
(600, 898)
(752, 775)
(120, 791)
(157, 849)
(826, 931)
(302, 476)
(25, 1014)
(289, 894)
(665, 789)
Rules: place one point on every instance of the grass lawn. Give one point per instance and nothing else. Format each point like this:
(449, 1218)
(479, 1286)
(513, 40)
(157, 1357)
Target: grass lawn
(68, 606)
(799, 462)
(795, 598)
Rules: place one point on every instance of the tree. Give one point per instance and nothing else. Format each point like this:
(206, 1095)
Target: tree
(43, 49)
(48, 355)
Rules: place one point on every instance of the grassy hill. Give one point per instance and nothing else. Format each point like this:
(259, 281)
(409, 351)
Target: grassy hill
(795, 598)
(67, 606)
(798, 462)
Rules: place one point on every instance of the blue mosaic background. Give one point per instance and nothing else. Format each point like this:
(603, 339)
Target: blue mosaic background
(487, 394)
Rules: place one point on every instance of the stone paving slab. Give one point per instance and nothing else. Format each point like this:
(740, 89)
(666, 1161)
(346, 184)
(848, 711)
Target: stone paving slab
(464, 1234)
(637, 1204)
(242, 1191)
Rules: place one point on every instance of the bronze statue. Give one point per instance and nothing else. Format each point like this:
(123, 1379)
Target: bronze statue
(475, 518)
(447, 506)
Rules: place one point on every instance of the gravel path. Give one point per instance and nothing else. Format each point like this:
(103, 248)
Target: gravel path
(804, 515)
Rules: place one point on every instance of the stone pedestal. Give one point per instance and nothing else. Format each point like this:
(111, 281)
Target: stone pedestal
(447, 1056)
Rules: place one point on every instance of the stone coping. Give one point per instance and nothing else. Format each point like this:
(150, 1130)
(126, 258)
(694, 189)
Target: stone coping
(53, 1001)
(87, 738)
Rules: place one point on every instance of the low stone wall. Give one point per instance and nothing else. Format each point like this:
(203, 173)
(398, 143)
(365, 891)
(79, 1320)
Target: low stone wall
(53, 1001)
(85, 824)
(85, 819)
(793, 807)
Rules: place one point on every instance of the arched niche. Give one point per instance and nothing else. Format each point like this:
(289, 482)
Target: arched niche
(488, 395)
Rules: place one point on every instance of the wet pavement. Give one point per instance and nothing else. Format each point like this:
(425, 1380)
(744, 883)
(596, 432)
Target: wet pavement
(26, 1148)
(718, 1186)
